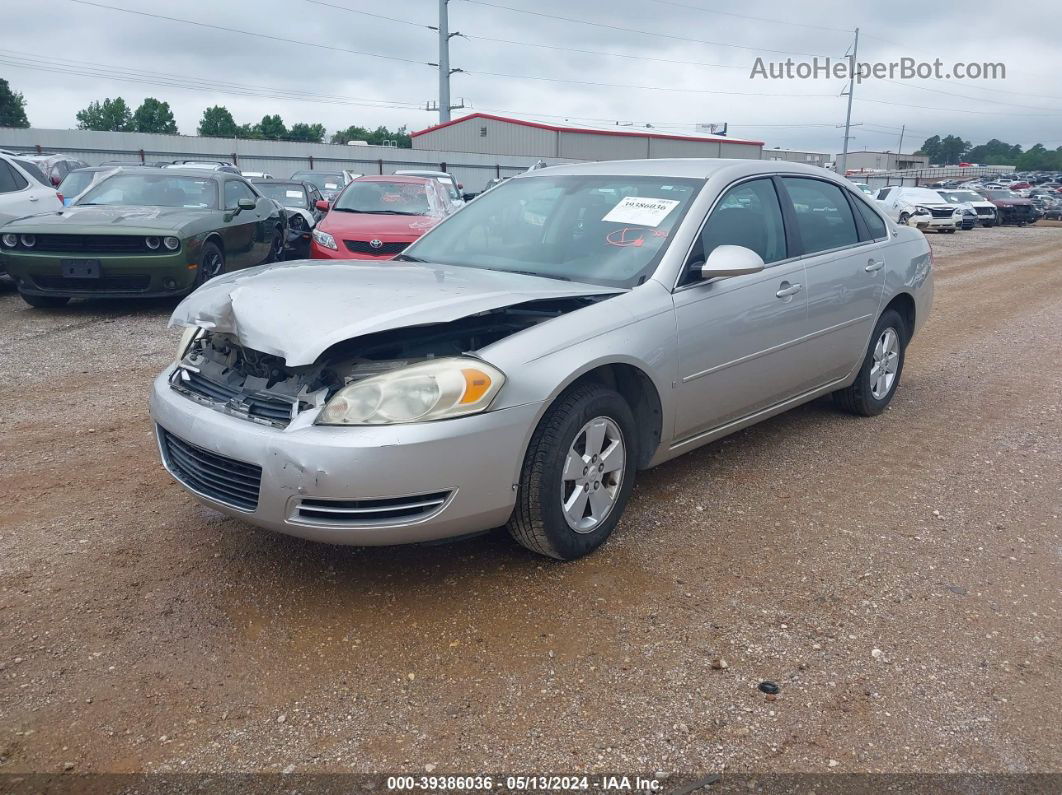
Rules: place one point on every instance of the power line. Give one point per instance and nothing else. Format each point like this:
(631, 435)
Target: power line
(963, 96)
(622, 29)
(371, 14)
(249, 33)
(640, 88)
(123, 74)
(957, 110)
(704, 10)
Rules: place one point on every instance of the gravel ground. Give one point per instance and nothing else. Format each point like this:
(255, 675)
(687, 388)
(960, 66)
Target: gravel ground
(898, 577)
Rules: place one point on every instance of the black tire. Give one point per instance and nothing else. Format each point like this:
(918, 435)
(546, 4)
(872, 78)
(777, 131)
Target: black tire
(211, 263)
(45, 301)
(904, 218)
(859, 397)
(538, 521)
(949, 231)
(276, 247)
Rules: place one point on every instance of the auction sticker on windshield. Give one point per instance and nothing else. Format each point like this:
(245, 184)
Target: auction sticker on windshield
(640, 211)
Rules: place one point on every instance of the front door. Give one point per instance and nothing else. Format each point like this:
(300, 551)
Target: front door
(739, 337)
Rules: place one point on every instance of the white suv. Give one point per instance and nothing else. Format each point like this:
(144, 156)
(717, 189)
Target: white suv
(21, 193)
(919, 207)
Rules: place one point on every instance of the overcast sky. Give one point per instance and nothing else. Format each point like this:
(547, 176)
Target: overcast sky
(62, 54)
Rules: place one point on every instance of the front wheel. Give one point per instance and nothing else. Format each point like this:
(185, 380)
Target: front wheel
(276, 247)
(904, 218)
(577, 474)
(211, 263)
(880, 372)
(45, 301)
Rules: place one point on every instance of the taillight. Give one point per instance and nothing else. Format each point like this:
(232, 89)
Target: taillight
(61, 200)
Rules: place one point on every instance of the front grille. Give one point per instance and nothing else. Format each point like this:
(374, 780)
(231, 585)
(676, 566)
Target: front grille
(986, 211)
(385, 250)
(128, 283)
(225, 480)
(943, 212)
(1017, 212)
(274, 408)
(370, 512)
(98, 244)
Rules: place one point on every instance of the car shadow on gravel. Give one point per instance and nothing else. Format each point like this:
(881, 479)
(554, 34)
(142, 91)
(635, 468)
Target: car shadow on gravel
(483, 554)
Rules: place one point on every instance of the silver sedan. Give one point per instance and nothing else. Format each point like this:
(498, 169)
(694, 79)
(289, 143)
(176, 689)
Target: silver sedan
(521, 361)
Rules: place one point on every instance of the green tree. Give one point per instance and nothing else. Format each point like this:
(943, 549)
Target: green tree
(272, 127)
(995, 153)
(12, 107)
(217, 122)
(248, 131)
(381, 136)
(112, 115)
(154, 116)
(312, 133)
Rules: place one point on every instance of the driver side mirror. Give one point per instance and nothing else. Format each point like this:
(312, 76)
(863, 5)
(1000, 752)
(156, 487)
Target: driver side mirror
(246, 204)
(322, 205)
(726, 261)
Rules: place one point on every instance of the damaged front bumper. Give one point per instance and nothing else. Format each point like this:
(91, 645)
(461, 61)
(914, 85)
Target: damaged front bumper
(368, 485)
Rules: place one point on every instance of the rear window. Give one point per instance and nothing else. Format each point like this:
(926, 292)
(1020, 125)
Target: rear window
(823, 216)
(33, 171)
(75, 182)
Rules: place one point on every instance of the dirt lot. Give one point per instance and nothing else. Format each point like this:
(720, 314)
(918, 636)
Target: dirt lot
(898, 578)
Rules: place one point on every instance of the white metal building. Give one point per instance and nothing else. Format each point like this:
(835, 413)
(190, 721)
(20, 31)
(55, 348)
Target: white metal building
(798, 156)
(484, 133)
(883, 161)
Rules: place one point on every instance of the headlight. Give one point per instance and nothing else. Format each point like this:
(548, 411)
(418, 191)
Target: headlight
(29, 241)
(172, 243)
(325, 239)
(921, 211)
(152, 242)
(188, 336)
(431, 390)
(10, 240)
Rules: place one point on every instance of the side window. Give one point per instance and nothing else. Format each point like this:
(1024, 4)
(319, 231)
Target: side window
(875, 225)
(823, 216)
(747, 215)
(236, 190)
(10, 180)
(883, 194)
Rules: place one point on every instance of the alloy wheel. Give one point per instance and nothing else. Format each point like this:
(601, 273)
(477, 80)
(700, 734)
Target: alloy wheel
(593, 474)
(885, 363)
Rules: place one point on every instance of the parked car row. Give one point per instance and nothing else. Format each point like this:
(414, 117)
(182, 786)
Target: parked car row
(948, 209)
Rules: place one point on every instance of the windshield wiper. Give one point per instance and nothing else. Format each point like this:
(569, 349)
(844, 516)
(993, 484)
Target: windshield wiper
(375, 212)
(533, 273)
(407, 258)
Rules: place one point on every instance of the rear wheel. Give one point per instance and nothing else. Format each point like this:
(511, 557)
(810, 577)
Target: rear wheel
(904, 218)
(276, 246)
(577, 475)
(880, 373)
(211, 263)
(45, 301)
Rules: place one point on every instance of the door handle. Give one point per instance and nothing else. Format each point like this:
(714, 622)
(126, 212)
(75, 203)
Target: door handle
(874, 265)
(792, 289)
(34, 198)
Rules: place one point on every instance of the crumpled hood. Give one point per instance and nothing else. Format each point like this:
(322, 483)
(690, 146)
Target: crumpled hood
(297, 310)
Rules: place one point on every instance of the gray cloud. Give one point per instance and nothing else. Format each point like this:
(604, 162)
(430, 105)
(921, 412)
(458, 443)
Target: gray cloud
(65, 30)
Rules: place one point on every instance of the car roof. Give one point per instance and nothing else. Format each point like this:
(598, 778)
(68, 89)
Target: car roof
(414, 180)
(694, 167)
(410, 172)
(200, 173)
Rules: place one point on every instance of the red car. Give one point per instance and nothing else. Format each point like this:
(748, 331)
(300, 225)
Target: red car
(375, 218)
(1020, 185)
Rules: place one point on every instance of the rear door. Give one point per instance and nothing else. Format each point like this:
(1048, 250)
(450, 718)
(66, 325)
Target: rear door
(20, 196)
(844, 246)
(738, 338)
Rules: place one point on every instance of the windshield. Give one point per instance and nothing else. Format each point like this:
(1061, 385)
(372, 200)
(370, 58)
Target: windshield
(389, 198)
(957, 196)
(154, 190)
(290, 194)
(320, 180)
(75, 182)
(607, 230)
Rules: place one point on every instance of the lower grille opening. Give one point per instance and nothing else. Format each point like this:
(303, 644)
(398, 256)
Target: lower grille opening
(226, 480)
(133, 283)
(369, 512)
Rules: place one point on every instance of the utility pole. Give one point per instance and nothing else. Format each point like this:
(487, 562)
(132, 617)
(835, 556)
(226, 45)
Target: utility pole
(444, 107)
(851, 90)
(899, 149)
